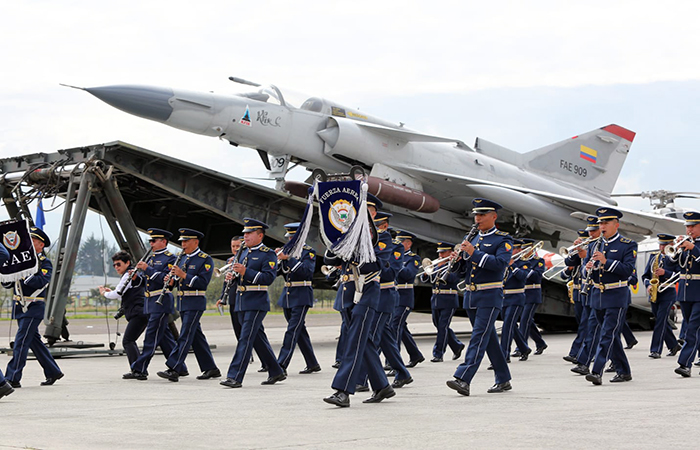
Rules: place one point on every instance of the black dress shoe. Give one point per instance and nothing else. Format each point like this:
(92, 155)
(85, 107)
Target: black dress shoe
(459, 351)
(401, 383)
(541, 350)
(230, 382)
(310, 370)
(580, 369)
(340, 398)
(208, 374)
(681, 341)
(336, 365)
(134, 375)
(516, 354)
(524, 355)
(571, 359)
(6, 389)
(391, 373)
(413, 363)
(697, 363)
(378, 396)
(683, 371)
(262, 369)
(436, 359)
(594, 378)
(169, 374)
(654, 355)
(15, 384)
(631, 344)
(674, 351)
(361, 388)
(460, 386)
(184, 373)
(387, 367)
(620, 378)
(500, 387)
(490, 367)
(275, 379)
(611, 368)
(51, 380)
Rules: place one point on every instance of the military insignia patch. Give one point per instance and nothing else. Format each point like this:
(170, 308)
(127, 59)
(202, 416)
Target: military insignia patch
(525, 266)
(397, 255)
(508, 246)
(539, 264)
(381, 245)
(634, 252)
(312, 256)
(45, 271)
(207, 266)
(11, 240)
(415, 263)
(272, 264)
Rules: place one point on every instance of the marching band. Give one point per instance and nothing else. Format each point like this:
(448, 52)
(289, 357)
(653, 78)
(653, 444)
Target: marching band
(489, 274)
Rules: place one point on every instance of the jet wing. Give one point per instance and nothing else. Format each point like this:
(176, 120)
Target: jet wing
(515, 197)
(409, 135)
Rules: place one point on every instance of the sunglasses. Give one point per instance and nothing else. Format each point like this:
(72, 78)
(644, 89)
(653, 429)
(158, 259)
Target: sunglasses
(118, 264)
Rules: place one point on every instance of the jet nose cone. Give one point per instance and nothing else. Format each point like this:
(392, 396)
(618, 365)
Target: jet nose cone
(144, 101)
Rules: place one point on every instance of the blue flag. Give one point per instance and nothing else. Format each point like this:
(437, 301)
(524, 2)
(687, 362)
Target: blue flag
(40, 219)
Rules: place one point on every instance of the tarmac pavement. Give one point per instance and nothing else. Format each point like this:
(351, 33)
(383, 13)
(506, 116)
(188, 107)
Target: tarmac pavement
(549, 406)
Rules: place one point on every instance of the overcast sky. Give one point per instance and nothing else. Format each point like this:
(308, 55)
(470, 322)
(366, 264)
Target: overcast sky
(521, 74)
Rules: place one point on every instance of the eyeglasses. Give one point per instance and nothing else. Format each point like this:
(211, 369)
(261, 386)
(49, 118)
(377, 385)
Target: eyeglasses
(118, 264)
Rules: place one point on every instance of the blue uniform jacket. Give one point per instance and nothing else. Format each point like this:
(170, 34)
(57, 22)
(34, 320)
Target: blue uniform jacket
(192, 291)
(514, 287)
(298, 271)
(34, 291)
(346, 291)
(261, 271)
(689, 284)
(612, 280)
(533, 283)
(159, 265)
(388, 297)
(407, 276)
(485, 269)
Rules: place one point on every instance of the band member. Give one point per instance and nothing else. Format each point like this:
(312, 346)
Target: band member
(380, 329)
(688, 258)
(130, 292)
(256, 269)
(533, 298)
(192, 275)
(659, 269)
(5, 388)
(572, 275)
(158, 333)
(404, 287)
(358, 346)
(230, 287)
(484, 261)
(443, 303)
(611, 265)
(296, 299)
(28, 309)
(513, 302)
(588, 291)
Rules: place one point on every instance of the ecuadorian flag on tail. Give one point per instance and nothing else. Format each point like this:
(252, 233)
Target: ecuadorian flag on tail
(589, 154)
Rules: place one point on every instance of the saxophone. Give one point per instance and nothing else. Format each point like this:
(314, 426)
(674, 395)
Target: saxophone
(654, 281)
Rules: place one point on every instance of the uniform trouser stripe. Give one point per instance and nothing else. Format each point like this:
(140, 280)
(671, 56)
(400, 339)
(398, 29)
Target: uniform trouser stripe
(185, 342)
(482, 338)
(141, 364)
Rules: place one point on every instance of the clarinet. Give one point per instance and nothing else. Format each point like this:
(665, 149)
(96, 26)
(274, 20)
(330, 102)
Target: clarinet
(586, 284)
(169, 287)
(227, 284)
(473, 232)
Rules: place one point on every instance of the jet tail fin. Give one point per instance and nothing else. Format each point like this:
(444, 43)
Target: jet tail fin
(591, 161)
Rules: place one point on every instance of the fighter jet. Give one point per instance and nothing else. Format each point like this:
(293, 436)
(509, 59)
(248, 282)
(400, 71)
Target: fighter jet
(429, 180)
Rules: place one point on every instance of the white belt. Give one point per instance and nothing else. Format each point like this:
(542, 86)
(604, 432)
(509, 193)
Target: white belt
(387, 285)
(153, 293)
(257, 287)
(191, 293)
(404, 286)
(533, 286)
(18, 298)
(514, 291)
(298, 283)
(445, 291)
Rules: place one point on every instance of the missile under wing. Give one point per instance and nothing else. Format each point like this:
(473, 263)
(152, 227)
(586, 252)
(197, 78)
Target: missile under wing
(545, 192)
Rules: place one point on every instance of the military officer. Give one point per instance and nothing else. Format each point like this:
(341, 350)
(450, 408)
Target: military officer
(29, 305)
(443, 303)
(380, 329)
(533, 298)
(192, 275)
(5, 387)
(611, 264)
(296, 299)
(513, 302)
(358, 346)
(587, 293)
(256, 266)
(660, 268)
(572, 275)
(404, 286)
(689, 289)
(484, 261)
(130, 293)
(155, 268)
(230, 287)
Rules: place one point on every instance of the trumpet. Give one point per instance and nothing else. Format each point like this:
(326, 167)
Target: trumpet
(528, 253)
(223, 270)
(431, 266)
(674, 250)
(327, 270)
(569, 251)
